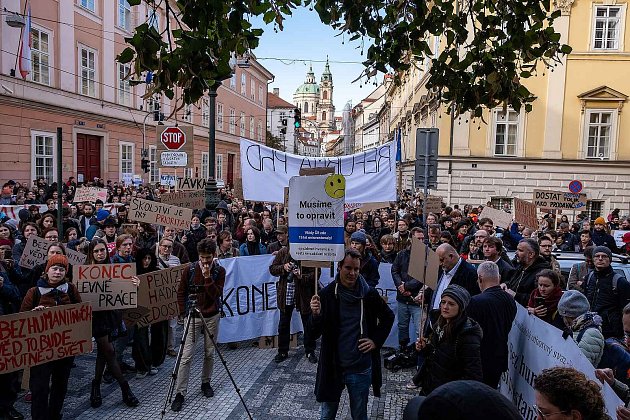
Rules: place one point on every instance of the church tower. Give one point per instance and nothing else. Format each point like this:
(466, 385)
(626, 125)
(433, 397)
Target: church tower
(306, 97)
(326, 109)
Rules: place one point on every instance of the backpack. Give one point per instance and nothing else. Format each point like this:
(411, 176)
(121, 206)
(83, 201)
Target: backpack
(615, 279)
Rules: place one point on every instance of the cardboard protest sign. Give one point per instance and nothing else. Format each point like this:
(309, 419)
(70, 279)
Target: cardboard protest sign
(107, 286)
(434, 204)
(417, 259)
(36, 337)
(433, 268)
(525, 213)
(191, 184)
(187, 199)
(35, 253)
(90, 194)
(544, 199)
(498, 217)
(160, 214)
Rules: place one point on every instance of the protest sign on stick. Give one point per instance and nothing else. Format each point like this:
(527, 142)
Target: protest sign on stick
(498, 217)
(159, 214)
(417, 259)
(90, 194)
(35, 253)
(186, 199)
(525, 213)
(35, 337)
(107, 286)
(544, 199)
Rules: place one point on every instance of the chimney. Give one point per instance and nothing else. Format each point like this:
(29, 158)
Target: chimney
(276, 91)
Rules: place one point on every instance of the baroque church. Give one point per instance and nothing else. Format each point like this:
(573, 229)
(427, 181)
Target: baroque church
(315, 101)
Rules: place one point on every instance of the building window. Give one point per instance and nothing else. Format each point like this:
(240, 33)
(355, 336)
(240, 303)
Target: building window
(325, 95)
(232, 121)
(243, 83)
(126, 159)
(242, 124)
(252, 127)
(220, 116)
(233, 81)
(594, 209)
(124, 87)
(88, 72)
(205, 112)
(252, 89)
(607, 27)
(88, 4)
(499, 202)
(505, 132)
(154, 19)
(260, 95)
(43, 152)
(40, 57)
(204, 165)
(259, 136)
(124, 15)
(219, 167)
(154, 173)
(599, 131)
(305, 107)
(323, 115)
(187, 116)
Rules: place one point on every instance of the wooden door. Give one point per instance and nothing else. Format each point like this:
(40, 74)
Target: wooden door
(230, 171)
(88, 157)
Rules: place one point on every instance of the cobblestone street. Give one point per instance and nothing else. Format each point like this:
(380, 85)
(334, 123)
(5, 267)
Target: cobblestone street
(271, 391)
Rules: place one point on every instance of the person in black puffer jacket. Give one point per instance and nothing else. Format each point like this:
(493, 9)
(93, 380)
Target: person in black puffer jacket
(453, 348)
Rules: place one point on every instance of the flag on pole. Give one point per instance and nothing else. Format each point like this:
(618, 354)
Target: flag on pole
(26, 43)
(398, 147)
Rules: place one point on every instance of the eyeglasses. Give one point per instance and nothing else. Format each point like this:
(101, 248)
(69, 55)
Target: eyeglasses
(543, 415)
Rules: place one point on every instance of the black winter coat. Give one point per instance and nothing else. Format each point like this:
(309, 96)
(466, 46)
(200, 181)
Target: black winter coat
(465, 276)
(378, 319)
(608, 303)
(457, 357)
(601, 238)
(400, 275)
(523, 280)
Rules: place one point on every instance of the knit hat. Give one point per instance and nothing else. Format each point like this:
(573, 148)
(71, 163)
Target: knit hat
(101, 215)
(23, 215)
(600, 221)
(573, 304)
(359, 237)
(6, 242)
(603, 249)
(57, 259)
(458, 294)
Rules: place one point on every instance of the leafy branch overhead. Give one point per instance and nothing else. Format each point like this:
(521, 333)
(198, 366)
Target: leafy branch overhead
(488, 47)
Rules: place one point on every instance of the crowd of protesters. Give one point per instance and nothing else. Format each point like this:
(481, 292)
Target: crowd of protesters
(485, 271)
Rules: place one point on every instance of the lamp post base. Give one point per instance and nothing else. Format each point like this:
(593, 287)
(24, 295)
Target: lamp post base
(213, 196)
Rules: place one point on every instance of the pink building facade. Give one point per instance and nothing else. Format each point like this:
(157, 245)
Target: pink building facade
(76, 84)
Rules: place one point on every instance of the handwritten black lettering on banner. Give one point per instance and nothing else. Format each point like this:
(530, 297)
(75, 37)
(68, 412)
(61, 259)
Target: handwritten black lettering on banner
(107, 286)
(159, 214)
(35, 337)
(35, 253)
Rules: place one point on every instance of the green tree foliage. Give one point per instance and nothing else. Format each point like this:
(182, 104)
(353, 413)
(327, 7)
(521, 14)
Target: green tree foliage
(488, 47)
(273, 142)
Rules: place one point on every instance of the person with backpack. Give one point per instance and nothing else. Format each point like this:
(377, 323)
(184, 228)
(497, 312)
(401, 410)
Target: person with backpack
(607, 292)
(49, 381)
(583, 325)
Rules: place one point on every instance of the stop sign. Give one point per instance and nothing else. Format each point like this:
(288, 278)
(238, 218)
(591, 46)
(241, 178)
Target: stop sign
(173, 138)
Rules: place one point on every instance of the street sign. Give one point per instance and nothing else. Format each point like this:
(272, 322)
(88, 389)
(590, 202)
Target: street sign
(174, 159)
(575, 186)
(173, 138)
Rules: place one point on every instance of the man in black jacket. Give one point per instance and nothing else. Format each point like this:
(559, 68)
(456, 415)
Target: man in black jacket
(354, 322)
(453, 270)
(495, 311)
(530, 263)
(492, 250)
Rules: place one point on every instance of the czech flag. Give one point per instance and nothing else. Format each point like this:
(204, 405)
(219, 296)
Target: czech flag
(26, 43)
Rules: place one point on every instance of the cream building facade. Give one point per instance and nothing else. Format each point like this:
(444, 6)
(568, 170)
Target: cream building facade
(579, 128)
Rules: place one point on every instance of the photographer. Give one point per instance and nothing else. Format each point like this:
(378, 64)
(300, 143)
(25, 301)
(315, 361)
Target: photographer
(202, 287)
(295, 290)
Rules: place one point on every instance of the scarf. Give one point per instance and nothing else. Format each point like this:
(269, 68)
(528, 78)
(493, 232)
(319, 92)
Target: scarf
(586, 320)
(551, 301)
(56, 292)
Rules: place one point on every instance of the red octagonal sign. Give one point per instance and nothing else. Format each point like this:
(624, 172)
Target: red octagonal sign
(173, 138)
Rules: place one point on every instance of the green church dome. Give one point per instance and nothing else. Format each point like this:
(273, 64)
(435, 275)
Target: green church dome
(308, 88)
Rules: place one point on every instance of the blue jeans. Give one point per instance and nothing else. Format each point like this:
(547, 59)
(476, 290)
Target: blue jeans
(358, 385)
(407, 313)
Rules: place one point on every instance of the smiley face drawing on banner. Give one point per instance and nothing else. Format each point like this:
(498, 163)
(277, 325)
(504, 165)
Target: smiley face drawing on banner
(335, 186)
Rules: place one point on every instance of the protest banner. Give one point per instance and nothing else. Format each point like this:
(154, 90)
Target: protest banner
(525, 213)
(107, 286)
(534, 345)
(618, 235)
(316, 217)
(544, 199)
(370, 175)
(498, 217)
(35, 337)
(434, 204)
(187, 199)
(191, 184)
(90, 194)
(160, 214)
(35, 253)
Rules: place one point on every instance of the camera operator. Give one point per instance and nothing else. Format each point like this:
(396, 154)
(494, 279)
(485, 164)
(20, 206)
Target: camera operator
(295, 289)
(201, 286)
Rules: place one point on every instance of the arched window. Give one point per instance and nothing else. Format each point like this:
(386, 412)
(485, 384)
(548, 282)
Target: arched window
(324, 115)
(305, 107)
(325, 94)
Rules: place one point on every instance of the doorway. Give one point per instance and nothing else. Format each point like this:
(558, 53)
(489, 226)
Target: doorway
(88, 157)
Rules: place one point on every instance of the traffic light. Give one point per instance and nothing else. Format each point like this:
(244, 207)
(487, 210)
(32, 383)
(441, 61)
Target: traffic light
(297, 117)
(144, 164)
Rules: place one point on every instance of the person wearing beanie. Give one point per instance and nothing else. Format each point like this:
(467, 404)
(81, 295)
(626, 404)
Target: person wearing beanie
(583, 325)
(452, 350)
(49, 381)
(97, 223)
(601, 237)
(369, 264)
(607, 292)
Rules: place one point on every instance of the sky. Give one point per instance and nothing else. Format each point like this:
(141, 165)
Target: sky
(305, 37)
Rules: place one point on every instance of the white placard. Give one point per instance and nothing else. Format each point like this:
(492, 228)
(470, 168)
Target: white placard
(174, 159)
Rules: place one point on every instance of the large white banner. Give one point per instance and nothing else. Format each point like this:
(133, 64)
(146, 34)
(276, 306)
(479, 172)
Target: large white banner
(370, 175)
(249, 300)
(533, 346)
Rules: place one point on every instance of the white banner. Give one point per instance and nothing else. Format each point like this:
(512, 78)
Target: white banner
(370, 175)
(533, 346)
(249, 300)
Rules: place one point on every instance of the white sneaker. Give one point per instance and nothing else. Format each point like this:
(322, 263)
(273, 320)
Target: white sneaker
(140, 374)
(153, 371)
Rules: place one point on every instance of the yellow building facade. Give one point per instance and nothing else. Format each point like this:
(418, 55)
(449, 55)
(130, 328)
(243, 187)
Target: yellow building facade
(579, 127)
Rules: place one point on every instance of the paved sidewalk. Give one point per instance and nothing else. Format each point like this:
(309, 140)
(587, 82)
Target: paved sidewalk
(271, 391)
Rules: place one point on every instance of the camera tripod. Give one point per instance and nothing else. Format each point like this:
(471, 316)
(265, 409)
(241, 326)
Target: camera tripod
(195, 312)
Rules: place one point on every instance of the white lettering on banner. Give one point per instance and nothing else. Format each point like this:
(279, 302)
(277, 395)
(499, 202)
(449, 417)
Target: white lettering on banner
(370, 175)
(534, 345)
